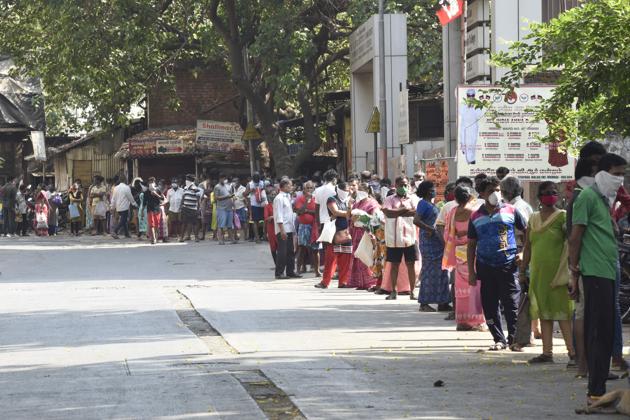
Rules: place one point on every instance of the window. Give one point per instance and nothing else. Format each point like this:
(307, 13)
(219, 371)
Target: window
(552, 8)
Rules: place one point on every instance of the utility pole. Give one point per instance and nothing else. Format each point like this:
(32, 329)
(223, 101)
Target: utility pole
(250, 116)
(382, 103)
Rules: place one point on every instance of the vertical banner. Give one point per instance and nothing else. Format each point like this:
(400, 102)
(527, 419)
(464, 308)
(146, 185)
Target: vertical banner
(403, 117)
(505, 134)
(437, 172)
(39, 145)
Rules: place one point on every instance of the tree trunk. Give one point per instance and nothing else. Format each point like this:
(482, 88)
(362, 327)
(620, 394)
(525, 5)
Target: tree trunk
(312, 139)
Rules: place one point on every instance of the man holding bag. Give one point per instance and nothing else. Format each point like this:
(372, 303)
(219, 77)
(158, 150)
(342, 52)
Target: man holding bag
(400, 234)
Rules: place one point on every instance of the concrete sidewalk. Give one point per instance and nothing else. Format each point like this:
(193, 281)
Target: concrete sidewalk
(90, 329)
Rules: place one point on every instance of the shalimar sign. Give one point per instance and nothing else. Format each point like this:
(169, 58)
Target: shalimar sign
(219, 136)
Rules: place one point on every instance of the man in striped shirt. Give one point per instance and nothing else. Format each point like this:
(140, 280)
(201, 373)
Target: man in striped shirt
(190, 209)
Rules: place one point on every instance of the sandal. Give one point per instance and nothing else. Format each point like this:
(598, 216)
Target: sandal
(542, 358)
(497, 346)
(392, 296)
(424, 307)
(517, 348)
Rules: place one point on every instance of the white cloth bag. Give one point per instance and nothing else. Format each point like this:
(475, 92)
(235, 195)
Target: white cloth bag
(365, 250)
(328, 232)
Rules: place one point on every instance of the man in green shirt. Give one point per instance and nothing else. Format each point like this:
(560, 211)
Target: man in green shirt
(593, 254)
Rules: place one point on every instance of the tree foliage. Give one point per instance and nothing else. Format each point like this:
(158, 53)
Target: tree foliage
(589, 47)
(98, 58)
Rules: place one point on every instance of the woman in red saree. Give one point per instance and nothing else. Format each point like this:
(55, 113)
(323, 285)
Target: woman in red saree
(361, 276)
(468, 308)
(270, 227)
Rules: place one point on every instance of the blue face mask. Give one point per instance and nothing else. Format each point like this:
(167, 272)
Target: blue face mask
(432, 194)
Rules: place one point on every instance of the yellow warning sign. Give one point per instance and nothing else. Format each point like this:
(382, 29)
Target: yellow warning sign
(251, 133)
(374, 125)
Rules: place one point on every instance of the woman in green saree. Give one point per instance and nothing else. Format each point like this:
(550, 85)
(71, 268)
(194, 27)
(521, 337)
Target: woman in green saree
(546, 256)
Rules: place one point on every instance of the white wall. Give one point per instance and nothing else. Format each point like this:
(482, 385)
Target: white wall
(365, 95)
(510, 22)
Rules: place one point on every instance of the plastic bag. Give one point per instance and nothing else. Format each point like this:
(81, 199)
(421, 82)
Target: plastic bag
(328, 232)
(365, 250)
(100, 210)
(74, 211)
(42, 221)
(237, 220)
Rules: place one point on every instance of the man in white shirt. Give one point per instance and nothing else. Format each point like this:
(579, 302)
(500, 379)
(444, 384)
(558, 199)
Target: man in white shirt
(511, 191)
(174, 198)
(122, 200)
(283, 219)
(323, 193)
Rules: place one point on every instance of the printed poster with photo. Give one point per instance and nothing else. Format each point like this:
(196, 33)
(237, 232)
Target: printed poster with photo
(506, 135)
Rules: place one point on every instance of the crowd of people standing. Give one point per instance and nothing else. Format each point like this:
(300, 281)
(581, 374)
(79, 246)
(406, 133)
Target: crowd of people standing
(483, 254)
(480, 255)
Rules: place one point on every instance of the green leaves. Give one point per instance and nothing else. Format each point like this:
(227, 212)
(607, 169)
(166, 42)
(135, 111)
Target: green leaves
(589, 49)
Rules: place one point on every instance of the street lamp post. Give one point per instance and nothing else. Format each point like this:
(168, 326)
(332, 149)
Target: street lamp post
(381, 62)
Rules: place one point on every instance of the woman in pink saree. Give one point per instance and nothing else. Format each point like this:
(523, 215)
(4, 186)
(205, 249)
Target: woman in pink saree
(468, 308)
(361, 276)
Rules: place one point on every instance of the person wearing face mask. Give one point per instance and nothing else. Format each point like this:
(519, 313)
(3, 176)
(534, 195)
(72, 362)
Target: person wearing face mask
(75, 197)
(224, 198)
(511, 191)
(174, 197)
(400, 234)
(434, 281)
(190, 209)
(284, 226)
(153, 198)
(338, 255)
(585, 171)
(449, 195)
(139, 190)
(491, 256)
(306, 207)
(418, 178)
(361, 276)
(545, 263)
(594, 255)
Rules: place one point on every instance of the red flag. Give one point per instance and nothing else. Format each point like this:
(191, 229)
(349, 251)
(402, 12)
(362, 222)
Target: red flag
(450, 10)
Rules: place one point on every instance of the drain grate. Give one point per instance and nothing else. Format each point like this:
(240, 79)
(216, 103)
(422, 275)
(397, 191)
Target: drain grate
(273, 401)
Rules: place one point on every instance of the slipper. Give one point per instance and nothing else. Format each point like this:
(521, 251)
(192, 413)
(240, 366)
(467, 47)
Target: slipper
(497, 347)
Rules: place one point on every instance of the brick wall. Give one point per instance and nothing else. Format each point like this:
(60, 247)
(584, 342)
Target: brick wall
(197, 94)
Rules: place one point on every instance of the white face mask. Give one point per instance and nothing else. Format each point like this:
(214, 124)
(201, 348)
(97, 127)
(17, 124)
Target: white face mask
(225, 182)
(417, 184)
(188, 183)
(495, 198)
(361, 195)
(608, 185)
(144, 188)
(174, 186)
(343, 195)
(586, 181)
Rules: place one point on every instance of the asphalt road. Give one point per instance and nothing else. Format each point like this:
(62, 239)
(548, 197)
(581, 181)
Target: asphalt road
(97, 328)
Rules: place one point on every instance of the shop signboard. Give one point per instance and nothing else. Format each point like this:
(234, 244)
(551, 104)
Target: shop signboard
(141, 147)
(505, 134)
(169, 146)
(219, 136)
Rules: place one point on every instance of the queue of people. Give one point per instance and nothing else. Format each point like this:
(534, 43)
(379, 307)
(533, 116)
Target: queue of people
(481, 255)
